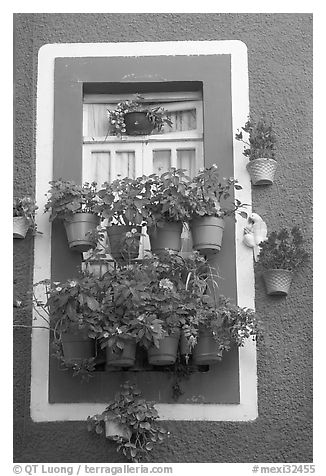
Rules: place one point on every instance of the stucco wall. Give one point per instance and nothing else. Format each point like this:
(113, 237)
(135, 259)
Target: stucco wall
(280, 75)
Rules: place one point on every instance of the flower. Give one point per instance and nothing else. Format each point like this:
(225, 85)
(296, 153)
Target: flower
(59, 288)
(134, 231)
(72, 284)
(166, 284)
(129, 234)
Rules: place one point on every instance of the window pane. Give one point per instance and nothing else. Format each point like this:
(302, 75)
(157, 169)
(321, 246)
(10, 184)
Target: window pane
(182, 121)
(125, 164)
(98, 167)
(186, 159)
(161, 161)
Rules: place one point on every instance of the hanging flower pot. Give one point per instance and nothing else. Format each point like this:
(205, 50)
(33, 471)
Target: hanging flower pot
(206, 351)
(77, 228)
(277, 281)
(164, 237)
(20, 227)
(166, 354)
(207, 233)
(114, 428)
(138, 123)
(122, 358)
(77, 346)
(262, 171)
(124, 241)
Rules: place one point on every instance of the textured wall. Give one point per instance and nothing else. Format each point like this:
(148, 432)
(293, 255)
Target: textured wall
(280, 71)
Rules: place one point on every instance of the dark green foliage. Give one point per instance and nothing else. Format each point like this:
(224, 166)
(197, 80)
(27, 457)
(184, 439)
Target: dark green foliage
(138, 416)
(283, 250)
(210, 195)
(261, 139)
(67, 198)
(25, 207)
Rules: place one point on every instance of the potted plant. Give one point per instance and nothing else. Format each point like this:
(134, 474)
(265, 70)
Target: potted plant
(122, 203)
(23, 216)
(280, 255)
(221, 326)
(174, 292)
(134, 117)
(166, 209)
(121, 326)
(77, 206)
(208, 205)
(73, 307)
(131, 422)
(259, 150)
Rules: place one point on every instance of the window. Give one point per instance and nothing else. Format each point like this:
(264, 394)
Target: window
(106, 157)
(219, 71)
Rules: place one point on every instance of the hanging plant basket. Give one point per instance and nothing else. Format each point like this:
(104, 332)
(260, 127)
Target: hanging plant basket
(166, 354)
(77, 227)
(122, 358)
(114, 428)
(207, 234)
(77, 346)
(20, 227)
(117, 235)
(137, 123)
(278, 281)
(262, 171)
(206, 351)
(164, 237)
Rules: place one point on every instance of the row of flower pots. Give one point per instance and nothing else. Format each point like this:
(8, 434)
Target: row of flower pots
(165, 204)
(161, 303)
(78, 347)
(207, 235)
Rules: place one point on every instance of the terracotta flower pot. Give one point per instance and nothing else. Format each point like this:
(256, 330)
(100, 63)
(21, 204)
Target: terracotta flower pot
(114, 428)
(164, 237)
(77, 346)
(262, 171)
(277, 281)
(207, 233)
(77, 228)
(117, 234)
(137, 123)
(166, 354)
(122, 358)
(206, 351)
(20, 227)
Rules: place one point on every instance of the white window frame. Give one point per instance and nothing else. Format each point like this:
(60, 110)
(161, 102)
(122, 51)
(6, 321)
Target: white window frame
(41, 409)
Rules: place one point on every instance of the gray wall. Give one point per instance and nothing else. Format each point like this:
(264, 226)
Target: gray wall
(280, 72)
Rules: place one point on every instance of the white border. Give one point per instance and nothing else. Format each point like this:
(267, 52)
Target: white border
(41, 409)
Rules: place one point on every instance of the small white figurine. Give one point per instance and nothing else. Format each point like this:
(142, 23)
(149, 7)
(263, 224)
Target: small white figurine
(255, 233)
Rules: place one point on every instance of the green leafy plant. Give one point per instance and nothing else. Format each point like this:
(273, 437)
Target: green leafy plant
(157, 115)
(210, 195)
(123, 201)
(149, 300)
(283, 250)
(136, 414)
(230, 324)
(126, 312)
(26, 207)
(71, 306)
(167, 197)
(65, 198)
(261, 139)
